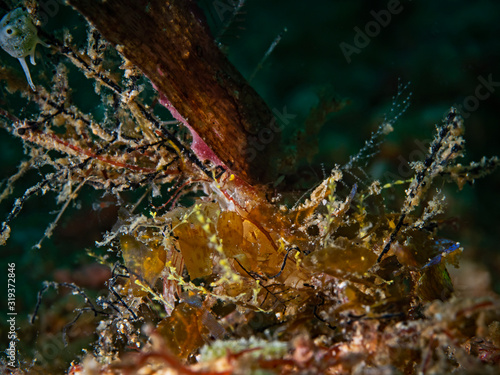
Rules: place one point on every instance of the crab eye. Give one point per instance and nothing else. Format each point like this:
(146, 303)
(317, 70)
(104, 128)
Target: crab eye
(9, 31)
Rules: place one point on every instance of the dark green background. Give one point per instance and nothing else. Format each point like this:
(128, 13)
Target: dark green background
(440, 47)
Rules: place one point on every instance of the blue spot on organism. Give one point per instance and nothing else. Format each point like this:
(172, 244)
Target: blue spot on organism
(444, 247)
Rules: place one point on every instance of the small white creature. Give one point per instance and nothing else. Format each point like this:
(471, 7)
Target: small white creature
(18, 37)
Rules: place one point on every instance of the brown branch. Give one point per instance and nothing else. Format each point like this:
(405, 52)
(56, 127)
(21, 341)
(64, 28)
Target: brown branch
(170, 43)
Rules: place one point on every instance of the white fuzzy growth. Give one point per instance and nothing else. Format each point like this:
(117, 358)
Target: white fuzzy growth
(262, 349)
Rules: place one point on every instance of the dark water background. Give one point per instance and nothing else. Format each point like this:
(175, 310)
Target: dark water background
(441, 47)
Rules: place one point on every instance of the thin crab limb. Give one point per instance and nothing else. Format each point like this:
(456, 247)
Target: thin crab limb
(51, 227)
(446, 146)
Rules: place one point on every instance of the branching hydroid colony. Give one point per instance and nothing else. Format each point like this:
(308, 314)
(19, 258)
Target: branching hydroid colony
(238, 277)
